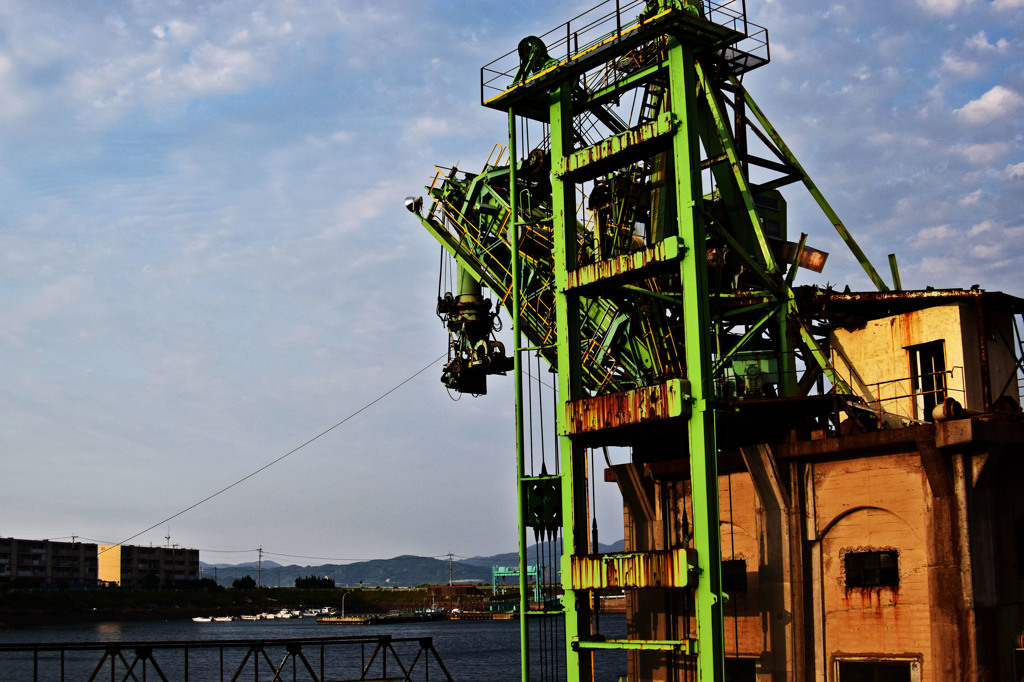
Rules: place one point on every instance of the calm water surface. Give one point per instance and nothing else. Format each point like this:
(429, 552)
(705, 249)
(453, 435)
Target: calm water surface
(471, 650)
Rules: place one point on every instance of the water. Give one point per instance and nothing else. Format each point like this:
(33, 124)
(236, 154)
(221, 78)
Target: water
(487, 651)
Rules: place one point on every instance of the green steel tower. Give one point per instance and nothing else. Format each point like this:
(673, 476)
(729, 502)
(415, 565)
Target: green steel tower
(637, 237)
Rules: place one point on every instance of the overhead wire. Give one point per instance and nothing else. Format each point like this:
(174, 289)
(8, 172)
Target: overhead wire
(285, 455)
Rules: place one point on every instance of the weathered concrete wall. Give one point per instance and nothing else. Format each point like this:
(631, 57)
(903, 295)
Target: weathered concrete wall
(873, 505)
(875, 362)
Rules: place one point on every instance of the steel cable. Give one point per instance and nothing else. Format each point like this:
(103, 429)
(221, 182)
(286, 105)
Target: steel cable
(285, 455)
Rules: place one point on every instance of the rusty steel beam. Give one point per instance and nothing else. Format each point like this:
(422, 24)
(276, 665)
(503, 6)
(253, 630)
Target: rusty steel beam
(609, 272)
(684, 646)
(633, 570)
(614, 152)
(627, 408)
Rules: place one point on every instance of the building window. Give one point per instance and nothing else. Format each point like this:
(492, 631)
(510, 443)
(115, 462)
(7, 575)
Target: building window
(872, 569)
(740, 670)
(734, 576)
(1018, 536)
(878, 671)
(928, 376)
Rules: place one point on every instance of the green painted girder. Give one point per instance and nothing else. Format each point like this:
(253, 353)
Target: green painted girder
(744, 342)
(732, 181)
(687, 647)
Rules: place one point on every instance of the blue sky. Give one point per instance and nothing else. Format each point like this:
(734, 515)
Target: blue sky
(205, 260)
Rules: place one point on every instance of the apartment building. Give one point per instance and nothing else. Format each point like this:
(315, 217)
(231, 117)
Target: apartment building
(45, 563)
(150, 567)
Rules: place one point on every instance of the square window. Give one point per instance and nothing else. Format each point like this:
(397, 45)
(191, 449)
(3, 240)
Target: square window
(872, 569)
(734, 576)
(875, 671)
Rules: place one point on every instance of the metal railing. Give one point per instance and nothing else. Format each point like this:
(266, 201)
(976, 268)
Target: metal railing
(609, 21)
(314, 658)
(942, 390)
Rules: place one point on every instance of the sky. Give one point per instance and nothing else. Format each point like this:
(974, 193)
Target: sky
(205, 261)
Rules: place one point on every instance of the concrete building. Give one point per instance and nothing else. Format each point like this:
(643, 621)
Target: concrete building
(43, 563)
(151, 567)
(876, 537)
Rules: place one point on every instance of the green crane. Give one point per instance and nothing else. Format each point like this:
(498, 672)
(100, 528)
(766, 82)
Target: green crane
(640, 249)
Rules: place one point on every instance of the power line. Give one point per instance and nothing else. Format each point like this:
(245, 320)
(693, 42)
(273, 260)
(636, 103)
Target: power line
(287, 454)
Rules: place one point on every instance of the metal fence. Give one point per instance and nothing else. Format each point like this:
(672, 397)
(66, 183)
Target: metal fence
(371, 657)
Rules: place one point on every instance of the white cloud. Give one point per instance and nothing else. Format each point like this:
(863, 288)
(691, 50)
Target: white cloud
(956, 66)
(48, 302)
(16, 101)
(984, 153)
(942, 8)
(981, 228)
(1007, 4)
(1015, 171)
(986, 251)
(176, 29)
(972, 198)
(996, 103)
(215, 70)
(979, 41)
(932, 269)
(886, 139)
(427, 127)
(930, 235)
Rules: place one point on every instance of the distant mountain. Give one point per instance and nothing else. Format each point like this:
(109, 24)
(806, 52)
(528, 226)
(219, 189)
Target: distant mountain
(401, 571)
(247, 564)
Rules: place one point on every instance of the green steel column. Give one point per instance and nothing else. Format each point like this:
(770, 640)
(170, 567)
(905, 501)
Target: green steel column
(697, 326)
(567, 317)
(517, 343)
(787, 352)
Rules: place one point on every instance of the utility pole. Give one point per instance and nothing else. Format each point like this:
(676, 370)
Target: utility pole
(259, 567)
(449, 569)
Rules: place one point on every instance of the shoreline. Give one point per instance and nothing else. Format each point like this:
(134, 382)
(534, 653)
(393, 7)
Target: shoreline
(31, 608)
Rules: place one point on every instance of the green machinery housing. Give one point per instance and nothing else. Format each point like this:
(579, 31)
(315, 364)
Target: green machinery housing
(636, 235)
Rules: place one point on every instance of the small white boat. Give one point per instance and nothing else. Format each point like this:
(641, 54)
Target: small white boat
(202, 619)
(249, 617)
(223, 619)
